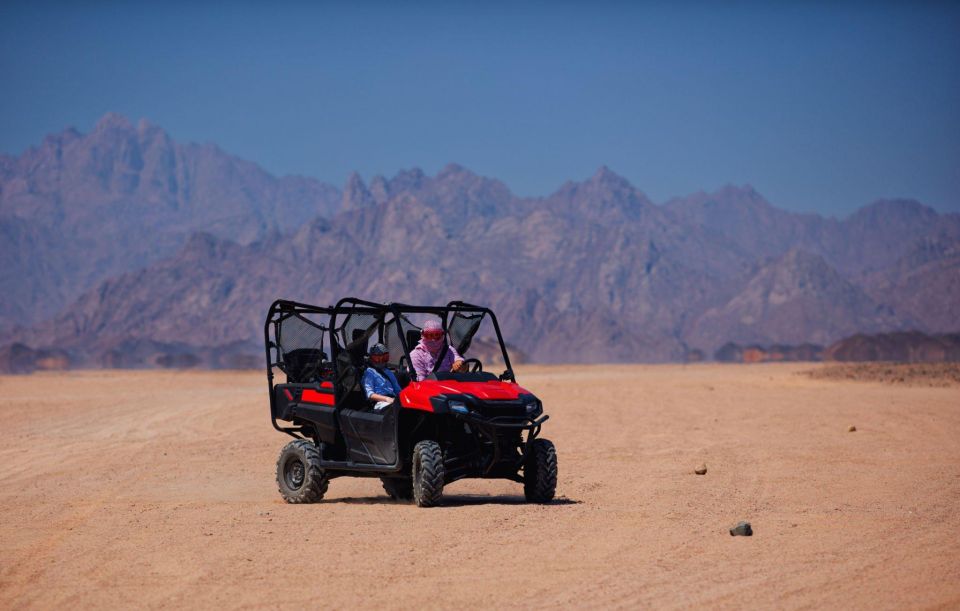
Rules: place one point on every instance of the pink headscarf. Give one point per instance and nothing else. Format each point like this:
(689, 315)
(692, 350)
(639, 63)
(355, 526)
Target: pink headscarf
(433, 345)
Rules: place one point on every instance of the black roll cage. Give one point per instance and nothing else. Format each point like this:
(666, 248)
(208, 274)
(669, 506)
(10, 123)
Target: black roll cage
(281, 309)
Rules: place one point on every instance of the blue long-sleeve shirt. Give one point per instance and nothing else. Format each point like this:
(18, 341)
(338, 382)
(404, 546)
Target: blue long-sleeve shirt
(376, 382)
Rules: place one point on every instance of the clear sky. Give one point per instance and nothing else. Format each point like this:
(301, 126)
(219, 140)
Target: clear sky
(822, 106)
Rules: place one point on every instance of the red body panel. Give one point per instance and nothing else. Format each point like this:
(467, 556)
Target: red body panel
(417, 394)
(312, 396)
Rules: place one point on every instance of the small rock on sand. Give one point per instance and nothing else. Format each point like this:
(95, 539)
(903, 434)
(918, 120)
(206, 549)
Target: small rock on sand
(742, 529)
(851, 429)
(701, 470)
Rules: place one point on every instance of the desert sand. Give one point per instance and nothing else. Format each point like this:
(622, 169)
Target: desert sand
(156, 490)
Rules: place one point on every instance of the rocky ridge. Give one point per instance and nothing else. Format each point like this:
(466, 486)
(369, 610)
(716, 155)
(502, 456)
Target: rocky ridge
(594, 272)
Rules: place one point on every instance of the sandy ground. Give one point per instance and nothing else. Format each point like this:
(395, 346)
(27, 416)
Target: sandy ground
(156, 489)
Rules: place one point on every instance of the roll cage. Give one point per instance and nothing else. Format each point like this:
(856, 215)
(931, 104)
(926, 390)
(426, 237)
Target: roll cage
(298, 335)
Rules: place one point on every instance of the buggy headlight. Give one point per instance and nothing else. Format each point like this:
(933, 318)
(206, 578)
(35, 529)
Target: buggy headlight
(534, 408)
(458, 407)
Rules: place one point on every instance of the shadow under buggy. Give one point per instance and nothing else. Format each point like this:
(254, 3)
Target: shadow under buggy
(446, 427)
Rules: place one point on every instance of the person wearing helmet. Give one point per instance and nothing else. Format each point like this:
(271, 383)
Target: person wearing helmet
(433, 347)
(379, 384)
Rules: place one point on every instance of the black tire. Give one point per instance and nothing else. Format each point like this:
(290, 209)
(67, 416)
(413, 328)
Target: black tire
(398, 488)
(540, 472)
(427, 473)
(299, 476)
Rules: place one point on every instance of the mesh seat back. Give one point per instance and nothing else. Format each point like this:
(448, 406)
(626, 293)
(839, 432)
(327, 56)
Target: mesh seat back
(413, 338)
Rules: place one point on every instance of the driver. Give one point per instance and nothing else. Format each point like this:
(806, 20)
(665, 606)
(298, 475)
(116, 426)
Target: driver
(433, 346)
(379, 383)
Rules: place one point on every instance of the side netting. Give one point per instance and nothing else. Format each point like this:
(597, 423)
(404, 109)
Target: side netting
(300, 344)
(461, 329)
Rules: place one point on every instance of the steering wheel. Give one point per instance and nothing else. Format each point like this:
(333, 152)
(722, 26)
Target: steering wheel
(473, 365)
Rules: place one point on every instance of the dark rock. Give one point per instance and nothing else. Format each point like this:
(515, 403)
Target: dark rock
(902, 347)
(18, 358)
(21, 359)
(734, 353)
(742, 529)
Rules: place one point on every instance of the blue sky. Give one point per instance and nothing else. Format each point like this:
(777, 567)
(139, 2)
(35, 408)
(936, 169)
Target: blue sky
(821, 106)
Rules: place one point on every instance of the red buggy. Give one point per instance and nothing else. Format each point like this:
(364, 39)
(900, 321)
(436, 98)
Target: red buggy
(447, 427)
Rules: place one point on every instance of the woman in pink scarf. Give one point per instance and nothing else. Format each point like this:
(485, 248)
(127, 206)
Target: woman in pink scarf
(424, 356)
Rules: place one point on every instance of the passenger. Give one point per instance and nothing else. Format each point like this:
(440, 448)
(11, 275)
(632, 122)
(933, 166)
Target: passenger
(430, 348)
(379, 383)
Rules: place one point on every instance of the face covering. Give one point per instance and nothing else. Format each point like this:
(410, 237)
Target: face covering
(433, 345)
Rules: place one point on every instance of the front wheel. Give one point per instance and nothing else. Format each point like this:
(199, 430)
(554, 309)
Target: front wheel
(427, 473)
(299, 476)
(540, 471)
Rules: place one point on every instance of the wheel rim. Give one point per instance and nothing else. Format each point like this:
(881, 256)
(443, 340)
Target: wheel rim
(293, 473)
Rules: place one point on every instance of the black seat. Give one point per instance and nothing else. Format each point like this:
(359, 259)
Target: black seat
(413, 338)
(302, 365)
(358, 347)
(352, 364)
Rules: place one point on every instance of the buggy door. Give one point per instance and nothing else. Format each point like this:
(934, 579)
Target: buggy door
(371, 435)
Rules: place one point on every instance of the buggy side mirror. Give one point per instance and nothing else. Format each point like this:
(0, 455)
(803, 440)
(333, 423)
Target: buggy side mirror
(507, 376)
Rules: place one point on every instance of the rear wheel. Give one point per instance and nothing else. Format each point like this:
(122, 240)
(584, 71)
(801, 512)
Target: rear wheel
(540, 471)
(398, 488)
(299, 476)
(427, 473)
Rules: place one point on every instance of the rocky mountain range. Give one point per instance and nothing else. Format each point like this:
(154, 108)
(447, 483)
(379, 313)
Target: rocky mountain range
(81, 208)
(122, 241)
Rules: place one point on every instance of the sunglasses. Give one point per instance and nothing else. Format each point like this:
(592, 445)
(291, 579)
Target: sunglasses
(433, 334)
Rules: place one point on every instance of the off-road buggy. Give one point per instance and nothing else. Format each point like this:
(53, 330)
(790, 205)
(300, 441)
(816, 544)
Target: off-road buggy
(446, 427)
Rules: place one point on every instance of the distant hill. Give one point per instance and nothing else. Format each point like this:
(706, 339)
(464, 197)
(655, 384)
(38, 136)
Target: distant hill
(902, 347)
(132, 240)
(796, 298)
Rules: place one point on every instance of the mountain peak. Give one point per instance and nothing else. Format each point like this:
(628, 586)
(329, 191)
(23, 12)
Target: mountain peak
(606, 176)
(604, 192)
(68, 135)
(745, 191)
(379, 189)
(146, 127)
(454, 169)
(111, 121)
(355, 193)
(407, 180)
(886, 209)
